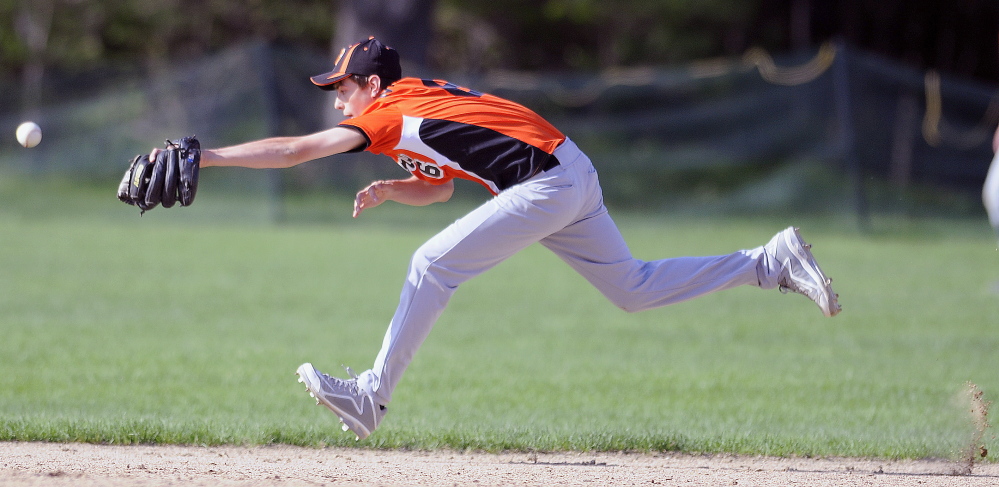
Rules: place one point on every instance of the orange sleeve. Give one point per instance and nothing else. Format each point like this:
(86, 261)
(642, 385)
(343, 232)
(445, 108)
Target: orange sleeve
(382, 127)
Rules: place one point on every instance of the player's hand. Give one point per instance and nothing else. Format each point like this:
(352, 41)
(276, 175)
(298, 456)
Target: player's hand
(370, 197)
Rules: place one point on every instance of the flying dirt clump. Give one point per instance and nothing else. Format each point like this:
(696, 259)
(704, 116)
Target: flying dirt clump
(979, 409)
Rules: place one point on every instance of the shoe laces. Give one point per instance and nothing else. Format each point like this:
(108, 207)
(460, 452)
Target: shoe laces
(350, 371)
(784, 289)
(786, 284)
(341, 385)
(353, 380)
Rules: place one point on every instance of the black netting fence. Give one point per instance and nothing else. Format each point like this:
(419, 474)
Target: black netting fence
(829, 130)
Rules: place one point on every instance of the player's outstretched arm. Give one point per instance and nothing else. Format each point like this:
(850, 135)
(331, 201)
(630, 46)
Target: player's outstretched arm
(412, 191)
(280, 152)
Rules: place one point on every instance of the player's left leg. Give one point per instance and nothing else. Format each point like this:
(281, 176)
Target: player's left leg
(468, 247)
(491, 233)
(357, 408)
(498, 229)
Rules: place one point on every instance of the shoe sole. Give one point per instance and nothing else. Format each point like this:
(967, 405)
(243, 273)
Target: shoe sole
(804, 255)
(306, 374)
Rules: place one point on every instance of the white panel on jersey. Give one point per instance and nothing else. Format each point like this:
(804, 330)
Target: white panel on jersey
(410, 141)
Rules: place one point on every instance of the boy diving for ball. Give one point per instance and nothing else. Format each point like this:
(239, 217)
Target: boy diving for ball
(544, 189)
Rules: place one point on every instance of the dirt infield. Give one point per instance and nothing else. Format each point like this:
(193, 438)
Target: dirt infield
(54, 464)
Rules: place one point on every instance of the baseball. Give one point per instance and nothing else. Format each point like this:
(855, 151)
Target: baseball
(29, 134)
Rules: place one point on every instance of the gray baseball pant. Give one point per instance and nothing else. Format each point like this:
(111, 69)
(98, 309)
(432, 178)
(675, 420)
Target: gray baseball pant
(563, 210)
(990, 193)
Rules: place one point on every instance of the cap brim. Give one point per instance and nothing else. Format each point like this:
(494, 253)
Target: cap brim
(329, 78)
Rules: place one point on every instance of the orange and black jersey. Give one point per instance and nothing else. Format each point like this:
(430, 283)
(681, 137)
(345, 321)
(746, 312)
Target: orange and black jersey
(439, 131)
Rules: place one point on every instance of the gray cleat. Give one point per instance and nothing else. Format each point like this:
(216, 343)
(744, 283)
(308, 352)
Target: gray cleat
(799, 271)
(356, 409)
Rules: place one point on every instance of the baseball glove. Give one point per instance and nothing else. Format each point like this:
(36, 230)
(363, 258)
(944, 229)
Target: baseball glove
(172, 177)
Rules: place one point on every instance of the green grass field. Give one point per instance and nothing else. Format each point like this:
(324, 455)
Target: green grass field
(186, 326)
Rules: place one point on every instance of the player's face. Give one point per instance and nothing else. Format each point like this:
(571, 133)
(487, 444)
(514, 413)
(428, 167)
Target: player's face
(352, 98)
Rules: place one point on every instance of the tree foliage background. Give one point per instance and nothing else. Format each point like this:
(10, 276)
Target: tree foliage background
(958, 36)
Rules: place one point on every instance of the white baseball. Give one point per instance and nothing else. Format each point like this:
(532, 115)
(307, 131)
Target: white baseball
(29, 134)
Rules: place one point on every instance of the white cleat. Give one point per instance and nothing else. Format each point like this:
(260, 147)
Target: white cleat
(355, 408)
(800, 273)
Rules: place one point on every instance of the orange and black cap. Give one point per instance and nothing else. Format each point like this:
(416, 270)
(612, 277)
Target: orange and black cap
(364, 58)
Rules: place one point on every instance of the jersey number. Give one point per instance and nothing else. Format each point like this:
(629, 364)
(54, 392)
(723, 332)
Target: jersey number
(425, 168)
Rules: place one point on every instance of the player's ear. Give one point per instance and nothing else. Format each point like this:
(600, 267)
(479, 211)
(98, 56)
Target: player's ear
(374, 84)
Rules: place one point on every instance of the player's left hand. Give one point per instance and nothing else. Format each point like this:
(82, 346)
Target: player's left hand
(163, 177)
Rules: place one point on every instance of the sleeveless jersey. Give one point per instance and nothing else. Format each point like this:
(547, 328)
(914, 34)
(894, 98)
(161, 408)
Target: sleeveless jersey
(439, 131)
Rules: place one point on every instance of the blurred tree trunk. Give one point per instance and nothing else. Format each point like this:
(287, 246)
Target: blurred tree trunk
(800, 30)
(405, 25)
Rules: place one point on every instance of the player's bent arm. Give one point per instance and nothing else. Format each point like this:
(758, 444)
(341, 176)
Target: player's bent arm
(281, 152)
(416, 192)
(412, 191)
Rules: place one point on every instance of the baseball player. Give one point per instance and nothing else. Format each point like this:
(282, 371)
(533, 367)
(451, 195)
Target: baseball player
(990, 191)
(544, 190)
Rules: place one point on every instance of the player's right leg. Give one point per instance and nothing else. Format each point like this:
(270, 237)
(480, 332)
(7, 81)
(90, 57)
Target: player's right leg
(594, 248)
(798, 271)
